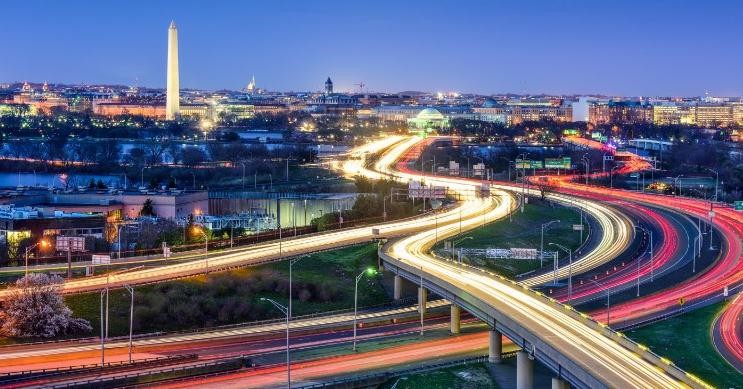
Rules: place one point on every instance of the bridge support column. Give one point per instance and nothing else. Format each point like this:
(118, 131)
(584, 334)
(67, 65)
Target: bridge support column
(455, 319)
(559, 383)
(397, 287)
(524, 371)
(422, 300)
(495, 346)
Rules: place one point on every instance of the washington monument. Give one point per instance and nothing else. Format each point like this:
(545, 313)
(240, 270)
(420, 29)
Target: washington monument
(172, 98)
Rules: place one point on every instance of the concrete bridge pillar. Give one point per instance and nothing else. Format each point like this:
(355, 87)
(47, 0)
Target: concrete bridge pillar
(524, 371)
(559, 383)
(397, 287)
(422, 300)
(495, 346)
(455, 319)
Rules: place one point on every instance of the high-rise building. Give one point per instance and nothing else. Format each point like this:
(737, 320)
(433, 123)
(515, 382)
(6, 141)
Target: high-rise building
(172, 97)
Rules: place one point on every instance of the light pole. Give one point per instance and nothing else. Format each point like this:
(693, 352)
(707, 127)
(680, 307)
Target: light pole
(608, 297)
(541, 242)
(243, 182)
(131, 319)
(717, 180)
(570, 269)
(652, 271)
(676, 183)
(370, 272)
(141, 184)
(285, 311)
(454, 244)
(611, 177)
(697, 243)
(587, 161)
(43, 243)
(103, 337)
(206, 246)
(291, 264)
(384, 206)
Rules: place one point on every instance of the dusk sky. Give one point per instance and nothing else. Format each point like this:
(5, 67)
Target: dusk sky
(632, 48)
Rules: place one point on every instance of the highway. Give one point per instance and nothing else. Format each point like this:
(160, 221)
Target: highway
(586, 346)
(591, 350)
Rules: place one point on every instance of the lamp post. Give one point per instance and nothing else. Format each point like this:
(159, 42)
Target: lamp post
(141, 184)
(43, 243)
(370, 272)
(291, 264)
(541, 242)
(676, 183)
(650, 234)
(131, 319)
(206, 246)
(611, 177)
(570, 269)
(285, 311)
(454, 244)
(587, 161)
(384, 206)
(243, 181)
(717, 180)
(608, 297)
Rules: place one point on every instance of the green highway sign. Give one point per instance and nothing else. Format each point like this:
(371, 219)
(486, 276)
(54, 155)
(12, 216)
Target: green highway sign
(557, 163)
(738, 205)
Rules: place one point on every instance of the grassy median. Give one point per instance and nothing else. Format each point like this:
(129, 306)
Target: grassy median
(524, 231)
(687, 341)
(321, 282)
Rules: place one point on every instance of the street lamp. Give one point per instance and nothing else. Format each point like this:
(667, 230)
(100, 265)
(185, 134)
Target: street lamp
(206, 246)
(454, 244)
(370, 272)
(611, 177)
(717, 180)
(541, 242)
(649, 233)
(587, 161)
(42, 243)
(608, 297)
(285, 311)
(676, 183)
(142, 176)
(243, 182)
(384, 206)
(570, 269)
(131, 319)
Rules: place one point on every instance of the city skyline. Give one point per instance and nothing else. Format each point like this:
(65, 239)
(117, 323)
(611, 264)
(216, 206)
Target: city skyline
(538, 47)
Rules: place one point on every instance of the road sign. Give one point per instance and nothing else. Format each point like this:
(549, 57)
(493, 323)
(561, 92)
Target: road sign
(99, 259)
(70, 243)
(682, 301)
(577, 227)
(738, 205)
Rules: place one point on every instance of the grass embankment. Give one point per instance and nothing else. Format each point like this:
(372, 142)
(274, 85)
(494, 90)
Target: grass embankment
(687, 341)
(464, 376)
(321, 282)
(523, 232)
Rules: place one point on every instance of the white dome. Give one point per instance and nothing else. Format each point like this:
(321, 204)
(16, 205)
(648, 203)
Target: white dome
(430, 114)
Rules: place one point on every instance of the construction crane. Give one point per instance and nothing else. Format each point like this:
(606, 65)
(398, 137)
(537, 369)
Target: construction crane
(361, 86)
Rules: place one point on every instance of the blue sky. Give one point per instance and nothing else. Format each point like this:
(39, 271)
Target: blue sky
(620, 47)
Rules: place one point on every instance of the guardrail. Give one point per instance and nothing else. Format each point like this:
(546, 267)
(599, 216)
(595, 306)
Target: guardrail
(157, 375)
(385, 376)
(643, 351)
(25, 375)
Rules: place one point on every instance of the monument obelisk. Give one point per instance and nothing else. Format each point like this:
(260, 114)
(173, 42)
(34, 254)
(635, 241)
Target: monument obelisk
(172, 96)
